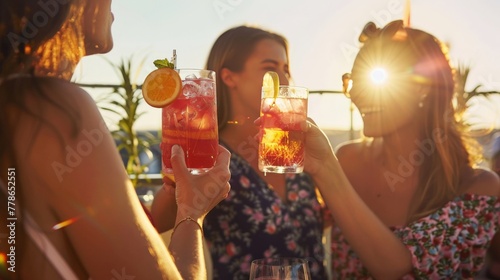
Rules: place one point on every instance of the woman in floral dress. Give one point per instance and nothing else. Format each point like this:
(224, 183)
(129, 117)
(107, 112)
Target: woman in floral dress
(407, 200)
(492, 269)
(264, 215)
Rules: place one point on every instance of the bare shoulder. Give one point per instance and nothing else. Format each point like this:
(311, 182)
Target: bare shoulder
(57, 88)
(58, 102)
(351, 156)
(56, 113)
(62, 123)
(71, 95)
(349, 149)
(484, 182)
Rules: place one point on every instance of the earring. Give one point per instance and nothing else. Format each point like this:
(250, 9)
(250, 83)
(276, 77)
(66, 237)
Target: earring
(422, 99)
(346, 84)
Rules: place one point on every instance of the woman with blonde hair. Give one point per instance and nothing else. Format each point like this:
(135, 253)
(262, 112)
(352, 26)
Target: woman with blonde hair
(408, 202)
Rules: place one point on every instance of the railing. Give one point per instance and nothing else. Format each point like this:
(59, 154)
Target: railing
(320, 92)
(351, 109)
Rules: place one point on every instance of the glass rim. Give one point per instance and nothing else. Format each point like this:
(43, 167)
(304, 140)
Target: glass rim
(278, 261)
(290, 86)
(294, 86)
(193, 69)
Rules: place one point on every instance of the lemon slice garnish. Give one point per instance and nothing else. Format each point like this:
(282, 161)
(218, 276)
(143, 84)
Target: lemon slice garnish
(271, 82)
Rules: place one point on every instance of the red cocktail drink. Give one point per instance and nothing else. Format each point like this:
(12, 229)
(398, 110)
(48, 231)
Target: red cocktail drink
(191, 122)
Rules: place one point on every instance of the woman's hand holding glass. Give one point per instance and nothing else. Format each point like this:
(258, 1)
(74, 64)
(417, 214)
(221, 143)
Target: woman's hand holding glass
(196, 195)
(318, 149)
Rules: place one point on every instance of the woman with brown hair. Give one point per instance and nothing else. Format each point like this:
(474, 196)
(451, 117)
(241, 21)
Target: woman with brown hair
(72, 207)
(265, 215)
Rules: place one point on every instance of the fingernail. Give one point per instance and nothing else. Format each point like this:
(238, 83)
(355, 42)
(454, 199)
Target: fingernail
(175, 149)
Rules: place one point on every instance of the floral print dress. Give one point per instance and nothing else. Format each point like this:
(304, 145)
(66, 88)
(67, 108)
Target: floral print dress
(254, 222)
(451, 243)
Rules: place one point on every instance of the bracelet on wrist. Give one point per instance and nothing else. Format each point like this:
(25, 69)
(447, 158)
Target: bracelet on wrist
(188, 219)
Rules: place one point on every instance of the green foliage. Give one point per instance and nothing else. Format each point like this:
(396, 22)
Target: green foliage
(163, 63)
(463, 96)
(124, 101)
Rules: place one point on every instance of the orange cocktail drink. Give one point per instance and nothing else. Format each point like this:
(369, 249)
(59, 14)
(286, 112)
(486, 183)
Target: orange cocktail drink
(191, 122)
(281, 146)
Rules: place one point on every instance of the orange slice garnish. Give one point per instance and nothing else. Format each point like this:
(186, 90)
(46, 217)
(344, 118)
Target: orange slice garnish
(161, 87)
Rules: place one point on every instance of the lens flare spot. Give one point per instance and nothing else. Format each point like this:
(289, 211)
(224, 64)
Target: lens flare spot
(378, 76)
(3, 260)
(65, 223)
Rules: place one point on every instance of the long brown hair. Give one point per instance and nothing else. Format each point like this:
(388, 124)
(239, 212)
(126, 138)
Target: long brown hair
(37, 38)
(445, 169)
(230, 51)
(443, 173)
(31, 47)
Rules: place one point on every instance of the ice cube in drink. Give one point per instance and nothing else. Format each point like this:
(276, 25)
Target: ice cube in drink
(191, 122)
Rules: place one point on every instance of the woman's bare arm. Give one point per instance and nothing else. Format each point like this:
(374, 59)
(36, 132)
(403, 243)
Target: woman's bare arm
(164, 208)
(384, 255)
(108, 228)
(193, 205)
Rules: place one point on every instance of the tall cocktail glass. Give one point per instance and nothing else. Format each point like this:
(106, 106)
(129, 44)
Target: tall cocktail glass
(281, 145)
(191, 122)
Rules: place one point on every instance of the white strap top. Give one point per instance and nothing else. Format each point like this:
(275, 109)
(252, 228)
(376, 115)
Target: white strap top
(44, 244)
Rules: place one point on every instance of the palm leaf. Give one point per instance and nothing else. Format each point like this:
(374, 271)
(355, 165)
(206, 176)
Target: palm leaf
(124, 102)
(463, 96)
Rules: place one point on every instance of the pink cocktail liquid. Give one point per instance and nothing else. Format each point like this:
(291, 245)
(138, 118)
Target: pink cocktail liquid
(191, 122)
(281, 147)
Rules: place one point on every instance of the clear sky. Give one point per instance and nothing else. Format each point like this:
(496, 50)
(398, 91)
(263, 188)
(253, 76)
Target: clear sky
(323, 42)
